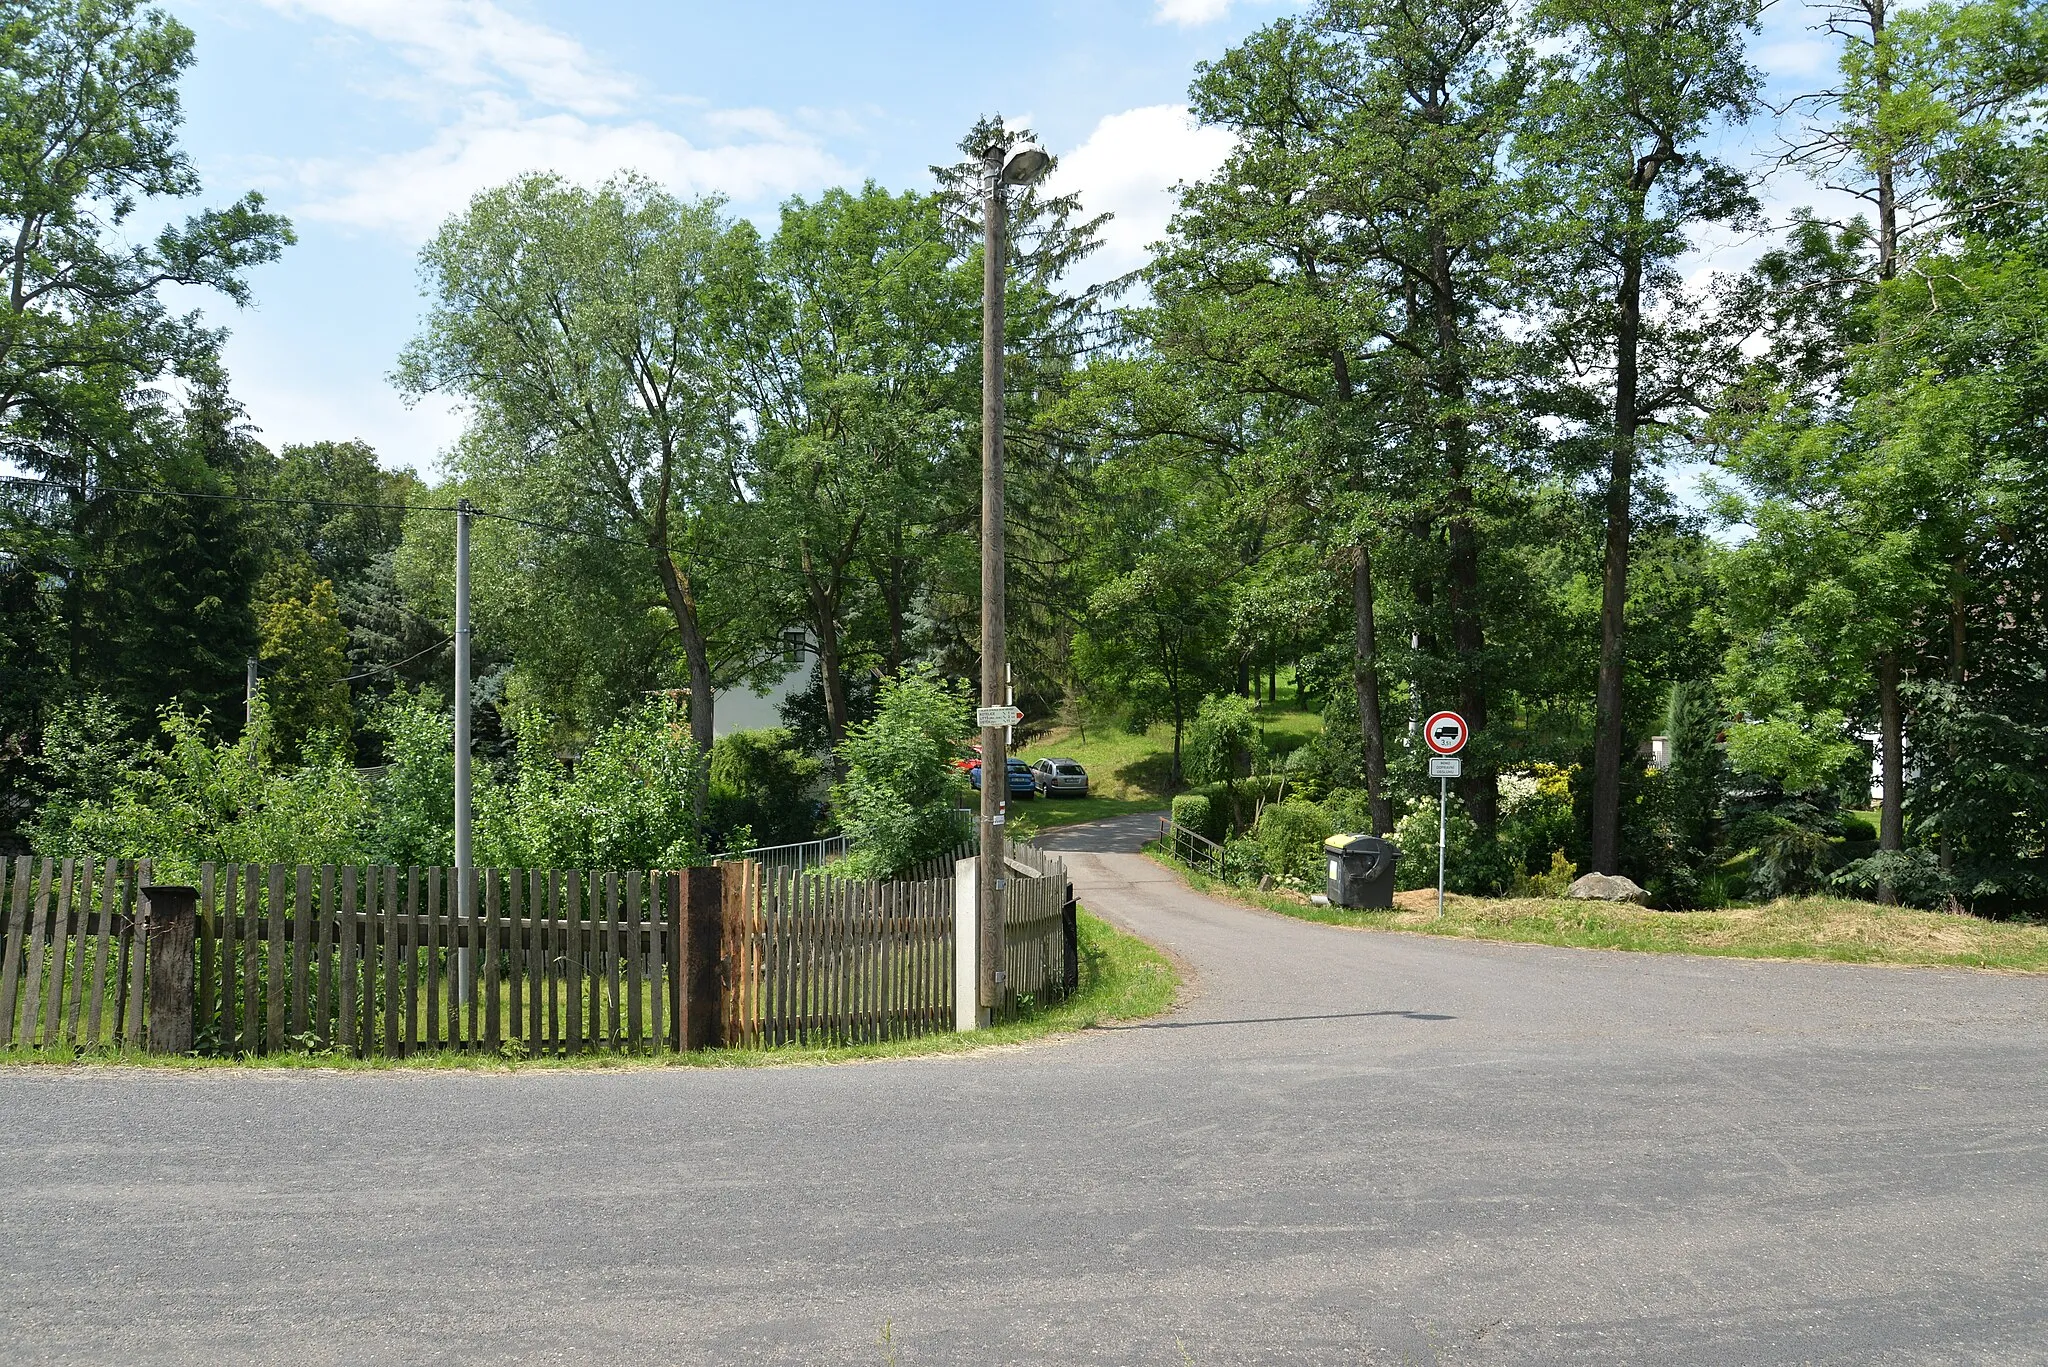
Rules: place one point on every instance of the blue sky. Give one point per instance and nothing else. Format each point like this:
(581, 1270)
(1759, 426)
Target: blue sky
(368, 121)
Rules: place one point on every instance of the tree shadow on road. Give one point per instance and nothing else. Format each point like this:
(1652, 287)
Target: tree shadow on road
(1279, 1020)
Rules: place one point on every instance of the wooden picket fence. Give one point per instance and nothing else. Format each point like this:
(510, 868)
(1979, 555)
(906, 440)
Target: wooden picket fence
(376, 961)
(815, 959)
(71, 969)
(1040, 951)
(364, 960)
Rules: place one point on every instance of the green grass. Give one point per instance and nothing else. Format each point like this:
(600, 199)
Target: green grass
(1122, 978)
(1829, 929)
(1128, 772)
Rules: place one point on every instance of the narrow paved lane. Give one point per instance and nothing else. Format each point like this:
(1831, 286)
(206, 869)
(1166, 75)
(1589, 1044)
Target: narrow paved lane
(1346, 1147)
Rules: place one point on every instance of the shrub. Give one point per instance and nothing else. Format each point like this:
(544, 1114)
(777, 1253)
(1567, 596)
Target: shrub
(896, 801)
(626, 804)
(1473, 864)
(1555, 883)
(1292, 834)
(1349, 810)
(198, 799)
(1191, 811)
(1222, 738)
(1535, 817)
(762, 782)
(415, 795)
(1244, 861)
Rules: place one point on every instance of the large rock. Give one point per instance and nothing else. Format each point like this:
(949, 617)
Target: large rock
(1605, 887)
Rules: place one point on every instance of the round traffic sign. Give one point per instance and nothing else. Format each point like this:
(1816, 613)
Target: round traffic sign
(1446, 733)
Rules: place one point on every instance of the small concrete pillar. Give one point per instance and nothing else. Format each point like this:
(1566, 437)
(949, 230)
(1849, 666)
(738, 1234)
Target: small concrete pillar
(968, 1012)
(169, 918)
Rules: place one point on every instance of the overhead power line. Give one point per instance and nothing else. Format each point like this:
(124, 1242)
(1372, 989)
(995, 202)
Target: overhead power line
(158, 492)
(374, 670)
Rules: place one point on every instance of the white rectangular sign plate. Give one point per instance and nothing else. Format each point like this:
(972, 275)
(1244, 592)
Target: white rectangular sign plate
(1446, 768)
(986, 717)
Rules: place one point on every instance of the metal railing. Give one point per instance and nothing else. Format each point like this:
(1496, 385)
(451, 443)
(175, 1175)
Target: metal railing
(1196, 851)
(804, 854)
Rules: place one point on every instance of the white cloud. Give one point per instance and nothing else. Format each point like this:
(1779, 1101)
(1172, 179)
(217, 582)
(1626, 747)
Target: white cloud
(293, 394)
(1189, 13)
(1129, 166)
(412, 192)
(475, 44)
(525, 97)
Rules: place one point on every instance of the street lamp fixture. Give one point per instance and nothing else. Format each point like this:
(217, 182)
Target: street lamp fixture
(1024, 163)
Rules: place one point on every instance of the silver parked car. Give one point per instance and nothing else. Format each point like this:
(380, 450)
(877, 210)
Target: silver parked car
(1060, 778)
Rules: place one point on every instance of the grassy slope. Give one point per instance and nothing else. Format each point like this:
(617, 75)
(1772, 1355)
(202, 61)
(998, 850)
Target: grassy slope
(1126, 772)
(1122, 978)
(1823, 928)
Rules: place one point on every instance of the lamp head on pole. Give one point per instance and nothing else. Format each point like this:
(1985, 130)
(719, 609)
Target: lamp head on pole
(1024, 163)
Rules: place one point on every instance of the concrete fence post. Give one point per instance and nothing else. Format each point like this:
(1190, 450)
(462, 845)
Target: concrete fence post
(968, 1012)
(169, 917)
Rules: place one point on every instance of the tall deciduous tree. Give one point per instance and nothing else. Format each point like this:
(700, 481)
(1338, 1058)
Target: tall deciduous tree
(1623, 120)
(585, 325)
(855, 359)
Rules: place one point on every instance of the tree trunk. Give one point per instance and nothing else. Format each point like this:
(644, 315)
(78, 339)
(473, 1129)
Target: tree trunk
(682, 605)
(1958, 655)
(1604, 833)
(1365, 679)
(1478, 788)
(824, 621)
(1891, 821)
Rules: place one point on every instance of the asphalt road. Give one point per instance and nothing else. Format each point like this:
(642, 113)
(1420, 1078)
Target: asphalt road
(1346, 1147)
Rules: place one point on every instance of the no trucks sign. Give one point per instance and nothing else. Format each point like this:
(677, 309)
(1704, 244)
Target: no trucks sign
(1446, 733)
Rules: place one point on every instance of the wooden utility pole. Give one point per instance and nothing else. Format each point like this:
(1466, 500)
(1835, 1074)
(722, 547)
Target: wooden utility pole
(995, 754)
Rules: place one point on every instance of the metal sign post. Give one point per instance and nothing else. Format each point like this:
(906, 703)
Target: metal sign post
(1446, 734)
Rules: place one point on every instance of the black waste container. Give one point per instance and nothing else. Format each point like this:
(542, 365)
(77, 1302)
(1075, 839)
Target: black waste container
(1361, 870)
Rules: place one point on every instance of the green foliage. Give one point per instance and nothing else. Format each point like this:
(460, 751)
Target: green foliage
(1555, 881)
(896, 800)
(762, 783)
(1291, 835)
(1223, 739)
(589, 329)
(1475, 862)
(304, 653)
(626, 803)
(1800, 752)
(416, 792)
(1684, 797)
(195, 799)
(88, 756)
(1194, 812)
(1535, 818)
(89, 98)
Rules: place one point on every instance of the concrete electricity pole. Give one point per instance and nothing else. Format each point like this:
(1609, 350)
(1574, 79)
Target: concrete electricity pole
(462, 707)
(1002, 165)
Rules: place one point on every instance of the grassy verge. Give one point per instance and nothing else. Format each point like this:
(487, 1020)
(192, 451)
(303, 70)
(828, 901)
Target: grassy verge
(1041, 814)
(1127, 771)
(1830, 929)
(1122, 978)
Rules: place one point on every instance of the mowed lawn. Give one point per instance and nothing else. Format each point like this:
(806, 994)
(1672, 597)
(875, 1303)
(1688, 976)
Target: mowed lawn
(1831, 929)
(1127, 771)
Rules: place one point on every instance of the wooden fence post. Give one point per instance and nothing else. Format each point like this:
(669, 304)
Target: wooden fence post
(169, 912)
(1071, 935)
(702, 951)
